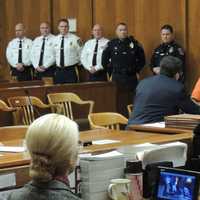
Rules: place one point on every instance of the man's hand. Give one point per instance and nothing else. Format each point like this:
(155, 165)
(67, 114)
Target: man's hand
(40, 69)
(92, 70)
(156, 70)
(20, 67)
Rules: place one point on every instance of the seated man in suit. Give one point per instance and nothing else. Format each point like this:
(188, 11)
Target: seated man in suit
(162, 95)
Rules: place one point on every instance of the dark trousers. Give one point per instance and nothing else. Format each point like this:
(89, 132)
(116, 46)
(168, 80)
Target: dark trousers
(98, 76)
(126, 86)
(25, 75)
(66, 75)
(125, 81)
(49, 72)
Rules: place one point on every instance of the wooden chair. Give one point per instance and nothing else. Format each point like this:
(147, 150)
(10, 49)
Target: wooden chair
(109, 120)
(64, 101)
(27, 108)
(5, 107)
(130, 109)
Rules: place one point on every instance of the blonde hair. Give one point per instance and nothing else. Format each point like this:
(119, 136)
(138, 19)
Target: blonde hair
(52, 141)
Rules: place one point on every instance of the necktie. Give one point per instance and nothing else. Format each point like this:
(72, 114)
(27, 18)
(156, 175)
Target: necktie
(20, 52)
(42, 53)
(94, 59)
(62, 52)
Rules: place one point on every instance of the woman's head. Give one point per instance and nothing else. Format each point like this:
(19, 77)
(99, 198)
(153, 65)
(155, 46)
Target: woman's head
(52, 141)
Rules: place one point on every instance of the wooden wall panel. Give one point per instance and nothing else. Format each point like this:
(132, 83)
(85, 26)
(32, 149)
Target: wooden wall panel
(79, 9)
(193, 42)
(144, 19)
(29, 12)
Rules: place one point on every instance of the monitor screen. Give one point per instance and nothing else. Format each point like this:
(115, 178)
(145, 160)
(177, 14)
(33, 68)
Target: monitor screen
(174, 184)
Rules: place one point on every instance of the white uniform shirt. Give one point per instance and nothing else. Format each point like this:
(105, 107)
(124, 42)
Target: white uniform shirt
(49, 53)
(12, 51)
(72, 49)
(88, 53)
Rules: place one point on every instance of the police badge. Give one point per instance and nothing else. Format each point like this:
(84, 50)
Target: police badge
(171, 50)
(131, 45)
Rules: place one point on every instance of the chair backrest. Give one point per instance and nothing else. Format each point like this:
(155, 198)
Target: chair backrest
(109, 120)
(26, 110)
(130, 109)
(64, 103)
(5, 107)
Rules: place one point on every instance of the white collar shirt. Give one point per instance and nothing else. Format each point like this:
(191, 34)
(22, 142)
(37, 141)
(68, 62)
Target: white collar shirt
(72, 49)
(49, 57)
(88, 53)
(12, 51)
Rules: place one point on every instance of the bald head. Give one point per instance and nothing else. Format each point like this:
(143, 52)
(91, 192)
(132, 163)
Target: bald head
(44, 28)
(97, 31)
(20, 30)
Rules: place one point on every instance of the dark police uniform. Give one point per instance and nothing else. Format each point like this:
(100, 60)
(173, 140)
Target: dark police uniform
(126, 58)
(166, 49)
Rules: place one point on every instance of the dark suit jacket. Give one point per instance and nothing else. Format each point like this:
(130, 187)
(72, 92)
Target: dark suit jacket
(53, 190)
(159, 96)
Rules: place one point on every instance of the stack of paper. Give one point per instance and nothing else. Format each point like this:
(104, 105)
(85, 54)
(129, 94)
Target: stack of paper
(131, 151)
(96, 173)
(182, 121)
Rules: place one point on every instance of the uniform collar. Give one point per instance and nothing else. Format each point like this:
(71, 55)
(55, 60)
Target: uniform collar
(65, 36)
(22, 39)
(46, 37)
(95, 39)
(168, 43)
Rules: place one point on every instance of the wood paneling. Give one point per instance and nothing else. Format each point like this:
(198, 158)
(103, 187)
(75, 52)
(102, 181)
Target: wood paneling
(29, 12)
(79, 9)
(193, 53)
(144, 19)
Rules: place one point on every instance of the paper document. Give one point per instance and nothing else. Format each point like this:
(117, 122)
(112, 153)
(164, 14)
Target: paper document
(109, 155)
(157, 124)
(12, 149)
(99, 142)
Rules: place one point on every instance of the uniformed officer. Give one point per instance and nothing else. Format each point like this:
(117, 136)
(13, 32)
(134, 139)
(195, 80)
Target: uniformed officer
(43, 54)
(18, 55)
(126, 58)
(67, 48)
(167, 47)
(91, 55)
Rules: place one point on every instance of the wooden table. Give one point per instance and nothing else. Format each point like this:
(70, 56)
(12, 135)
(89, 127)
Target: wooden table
(18, 163)
(125, 138)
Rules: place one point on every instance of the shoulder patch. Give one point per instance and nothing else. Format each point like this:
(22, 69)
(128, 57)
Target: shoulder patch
(80, 43)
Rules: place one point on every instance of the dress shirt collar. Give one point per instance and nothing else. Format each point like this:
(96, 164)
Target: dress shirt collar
(22, 39)
(65, 36)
